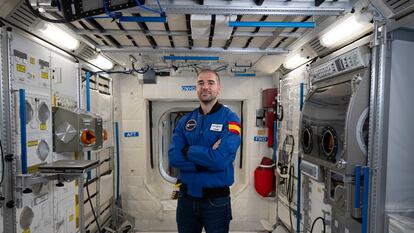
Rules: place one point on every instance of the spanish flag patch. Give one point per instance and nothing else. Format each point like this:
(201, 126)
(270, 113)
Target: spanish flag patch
(234, 127)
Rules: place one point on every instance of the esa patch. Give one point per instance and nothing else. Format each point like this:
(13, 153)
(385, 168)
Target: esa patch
(190, 125)
(216, 127)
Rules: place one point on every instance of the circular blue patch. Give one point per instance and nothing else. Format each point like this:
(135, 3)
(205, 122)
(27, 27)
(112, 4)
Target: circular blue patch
(190, 125)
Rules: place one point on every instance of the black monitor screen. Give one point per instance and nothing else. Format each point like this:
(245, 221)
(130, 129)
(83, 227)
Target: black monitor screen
(73, 10)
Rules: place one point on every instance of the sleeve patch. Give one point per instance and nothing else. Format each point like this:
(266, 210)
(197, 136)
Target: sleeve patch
(234, 127)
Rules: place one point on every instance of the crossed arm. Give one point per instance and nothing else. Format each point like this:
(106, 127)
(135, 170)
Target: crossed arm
(196, 157)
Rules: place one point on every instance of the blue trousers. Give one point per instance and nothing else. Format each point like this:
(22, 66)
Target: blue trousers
(214, 214)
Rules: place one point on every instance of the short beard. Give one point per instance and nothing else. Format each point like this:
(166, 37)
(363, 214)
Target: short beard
(206, 102)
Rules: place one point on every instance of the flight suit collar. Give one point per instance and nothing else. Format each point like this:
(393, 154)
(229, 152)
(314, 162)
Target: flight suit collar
(217, 106)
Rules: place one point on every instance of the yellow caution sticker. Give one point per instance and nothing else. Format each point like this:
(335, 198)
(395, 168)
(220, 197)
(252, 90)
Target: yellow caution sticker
(77, 210)
(261, 132)
(32, 60)
(33, 169)
(71, 218)
(26, 230)
(45, 75)
(21, 68)
(32, 143)
(43, 126)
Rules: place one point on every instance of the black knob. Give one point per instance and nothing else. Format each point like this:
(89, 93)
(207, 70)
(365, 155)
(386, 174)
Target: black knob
(10, 204)
(60, 184)
(27, 190)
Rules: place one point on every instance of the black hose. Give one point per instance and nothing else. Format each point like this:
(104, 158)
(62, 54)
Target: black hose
(93, 210)
(2, 164)
(314, 221)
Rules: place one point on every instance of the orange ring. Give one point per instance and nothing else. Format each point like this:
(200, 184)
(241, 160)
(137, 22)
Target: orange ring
(88, 137)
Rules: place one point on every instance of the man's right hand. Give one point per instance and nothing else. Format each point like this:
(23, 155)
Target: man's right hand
(216, 144)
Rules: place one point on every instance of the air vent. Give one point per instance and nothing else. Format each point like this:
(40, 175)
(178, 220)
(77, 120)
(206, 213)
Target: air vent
(400, 8)
(22, 16)
(283, 70)
(86, 52)
(317, 47)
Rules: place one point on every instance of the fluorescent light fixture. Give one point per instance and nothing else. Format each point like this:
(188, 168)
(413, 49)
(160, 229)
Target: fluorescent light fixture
(347, 30)
(59, 37)
(295, 61)
(102, 62)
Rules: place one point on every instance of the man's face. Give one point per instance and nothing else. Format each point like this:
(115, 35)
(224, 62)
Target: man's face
(208, 87)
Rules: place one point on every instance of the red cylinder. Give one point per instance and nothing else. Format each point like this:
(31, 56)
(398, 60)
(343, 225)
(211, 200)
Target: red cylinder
(264, 177)
(269, 98)
(270, 118)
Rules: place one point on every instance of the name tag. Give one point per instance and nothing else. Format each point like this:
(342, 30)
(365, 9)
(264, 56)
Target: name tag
(216, 127)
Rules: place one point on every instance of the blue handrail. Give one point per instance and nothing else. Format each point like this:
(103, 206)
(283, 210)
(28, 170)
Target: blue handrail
(23, 146)
(117, 158)
(365, 200)
(88, 108)
(299, 172)
(357, 199)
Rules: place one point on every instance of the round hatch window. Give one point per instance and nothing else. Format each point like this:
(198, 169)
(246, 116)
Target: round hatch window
(307, 140)
(329, 143)
(43, 150)
(29, 111)
(43, 113)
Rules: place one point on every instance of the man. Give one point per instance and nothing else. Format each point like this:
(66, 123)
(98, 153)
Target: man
(203, 148)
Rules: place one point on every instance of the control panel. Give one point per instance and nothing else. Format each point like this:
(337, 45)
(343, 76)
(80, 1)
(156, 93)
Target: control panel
(349, 61)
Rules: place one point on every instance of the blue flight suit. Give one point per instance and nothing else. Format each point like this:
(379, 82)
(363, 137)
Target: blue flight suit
(202, 167)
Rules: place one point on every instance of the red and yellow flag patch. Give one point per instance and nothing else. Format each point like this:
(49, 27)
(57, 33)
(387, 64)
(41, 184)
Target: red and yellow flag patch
(234, 127)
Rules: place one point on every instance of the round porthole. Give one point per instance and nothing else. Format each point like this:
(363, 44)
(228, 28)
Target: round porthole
(43, 150)
(26, 217)
(307, 140)
(329, 143)
(43, 113)
(29, 111)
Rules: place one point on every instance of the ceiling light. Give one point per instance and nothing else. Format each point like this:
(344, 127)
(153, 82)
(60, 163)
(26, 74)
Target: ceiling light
(347, 30)
(295, 61)
(102, 62)
(59, 36)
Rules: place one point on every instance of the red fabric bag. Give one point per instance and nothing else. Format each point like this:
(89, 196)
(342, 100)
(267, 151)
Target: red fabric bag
(264, 177)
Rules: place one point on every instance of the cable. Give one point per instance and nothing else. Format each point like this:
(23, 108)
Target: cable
(37, 13)
(93, 210)
(280, 115)
(289, 191)
(2, 164)
(323, 221)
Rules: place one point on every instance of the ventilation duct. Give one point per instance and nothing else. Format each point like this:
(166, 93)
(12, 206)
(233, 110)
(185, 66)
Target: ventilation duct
(200, 26)
(395, 9)
(20, 15)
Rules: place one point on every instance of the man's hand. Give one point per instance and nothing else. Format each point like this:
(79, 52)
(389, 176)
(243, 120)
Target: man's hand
(216, 144)
(185, 151)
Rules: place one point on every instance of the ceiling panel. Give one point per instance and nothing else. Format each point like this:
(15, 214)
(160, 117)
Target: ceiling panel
(123, 40)
(238, 42)
(201, 43)
(162, 41)
(180, 41)
(141, 41)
